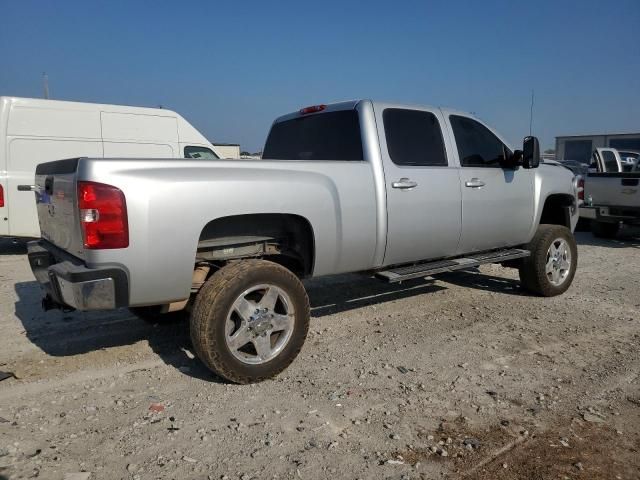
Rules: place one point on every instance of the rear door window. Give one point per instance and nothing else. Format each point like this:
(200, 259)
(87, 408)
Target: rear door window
(323, 136)
(477, 146)
(414, 137)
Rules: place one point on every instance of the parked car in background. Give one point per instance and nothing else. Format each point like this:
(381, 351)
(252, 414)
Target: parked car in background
(398, 191)
(33, 131)
(611, 194)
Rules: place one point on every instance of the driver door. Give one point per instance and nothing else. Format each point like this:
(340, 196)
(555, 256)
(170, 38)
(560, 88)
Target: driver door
(497, 202)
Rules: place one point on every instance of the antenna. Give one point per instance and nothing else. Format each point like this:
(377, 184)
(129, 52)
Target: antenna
(531, 114)
(45, 84)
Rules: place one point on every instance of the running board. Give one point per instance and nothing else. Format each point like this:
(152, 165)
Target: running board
(421, 270)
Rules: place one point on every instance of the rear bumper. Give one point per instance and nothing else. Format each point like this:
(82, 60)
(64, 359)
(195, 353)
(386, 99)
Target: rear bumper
(611, 214)
(67, 282)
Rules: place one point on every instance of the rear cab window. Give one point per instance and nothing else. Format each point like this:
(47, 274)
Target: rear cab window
(321, 136)
(610, 161)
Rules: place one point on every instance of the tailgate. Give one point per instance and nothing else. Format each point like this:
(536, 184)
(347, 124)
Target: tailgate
(613, 189)
(57, 205)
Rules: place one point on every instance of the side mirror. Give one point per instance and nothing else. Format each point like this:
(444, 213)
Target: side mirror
(513, 161)
(530, 152)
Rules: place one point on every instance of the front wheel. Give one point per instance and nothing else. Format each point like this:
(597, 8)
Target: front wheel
(250, 320)
(551, 267)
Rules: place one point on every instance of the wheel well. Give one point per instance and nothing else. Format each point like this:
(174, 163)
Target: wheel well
(556, 210)
(282, 238)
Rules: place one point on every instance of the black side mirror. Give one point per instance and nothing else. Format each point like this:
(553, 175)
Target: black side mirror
(530, 152)
(513, 161)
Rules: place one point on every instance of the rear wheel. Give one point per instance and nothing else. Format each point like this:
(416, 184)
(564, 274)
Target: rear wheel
(604, 229)
(551, 267)
(250, 320)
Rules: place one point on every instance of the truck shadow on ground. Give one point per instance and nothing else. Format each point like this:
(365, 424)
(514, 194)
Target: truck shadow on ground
(10, 246)
(473, 278)
(64, 334)
(628, 237)
(331, 295)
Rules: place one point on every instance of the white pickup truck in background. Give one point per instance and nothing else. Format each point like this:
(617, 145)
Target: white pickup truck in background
(611, 194)
(33, 131)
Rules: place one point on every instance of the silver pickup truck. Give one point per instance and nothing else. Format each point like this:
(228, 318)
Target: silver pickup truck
(611, 193)
(400, 192)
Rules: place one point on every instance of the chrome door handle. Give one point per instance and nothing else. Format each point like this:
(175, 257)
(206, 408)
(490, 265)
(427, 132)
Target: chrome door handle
(404, 183)
(474, 183)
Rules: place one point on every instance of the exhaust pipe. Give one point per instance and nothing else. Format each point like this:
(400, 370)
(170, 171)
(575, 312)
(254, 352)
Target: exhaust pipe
(48, 303)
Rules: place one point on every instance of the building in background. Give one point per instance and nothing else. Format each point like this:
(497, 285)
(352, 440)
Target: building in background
(580, 147)
(227, 150)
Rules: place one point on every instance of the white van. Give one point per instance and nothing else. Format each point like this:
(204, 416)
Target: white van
(34, 131)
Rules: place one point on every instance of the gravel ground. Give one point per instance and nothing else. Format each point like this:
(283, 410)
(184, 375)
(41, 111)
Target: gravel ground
(459, 376)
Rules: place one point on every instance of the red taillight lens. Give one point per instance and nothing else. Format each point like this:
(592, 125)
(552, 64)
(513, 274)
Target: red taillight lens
(313, 109)
(581, 189)
(1, 196)
(103, 216)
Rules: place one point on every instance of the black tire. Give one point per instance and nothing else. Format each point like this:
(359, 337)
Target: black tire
(604, 229)
(212, 306)
(533, 276)
(152, 314)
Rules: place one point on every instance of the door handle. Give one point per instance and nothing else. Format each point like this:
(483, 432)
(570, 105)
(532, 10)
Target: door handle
(404, 183)
(474, 183)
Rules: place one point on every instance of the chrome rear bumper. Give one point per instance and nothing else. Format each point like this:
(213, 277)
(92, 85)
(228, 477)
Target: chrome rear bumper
(68, 283)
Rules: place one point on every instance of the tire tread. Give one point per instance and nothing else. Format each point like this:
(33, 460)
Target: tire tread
(207, 307)
(533, 276)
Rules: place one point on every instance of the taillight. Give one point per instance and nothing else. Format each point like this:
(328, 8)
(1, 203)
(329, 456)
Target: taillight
(581, 189)
(313, 109)
(103, 216)
(1, 196)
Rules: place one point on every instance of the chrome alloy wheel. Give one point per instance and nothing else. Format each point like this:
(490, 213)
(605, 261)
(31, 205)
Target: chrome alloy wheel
(259, 324)
(558, 264)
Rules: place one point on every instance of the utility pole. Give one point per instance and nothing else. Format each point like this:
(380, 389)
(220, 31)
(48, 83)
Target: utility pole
(531, 114)
(45, 84)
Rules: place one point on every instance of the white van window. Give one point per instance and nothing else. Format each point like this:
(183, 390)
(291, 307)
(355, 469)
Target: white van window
(202, 153)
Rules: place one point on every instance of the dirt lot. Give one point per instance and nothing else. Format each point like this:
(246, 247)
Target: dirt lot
(460, 376)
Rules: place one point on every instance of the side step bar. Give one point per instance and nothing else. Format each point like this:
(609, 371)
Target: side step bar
(420, 270)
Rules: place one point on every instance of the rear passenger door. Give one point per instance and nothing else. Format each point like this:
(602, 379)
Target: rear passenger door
(497, 203)
(423, 189)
